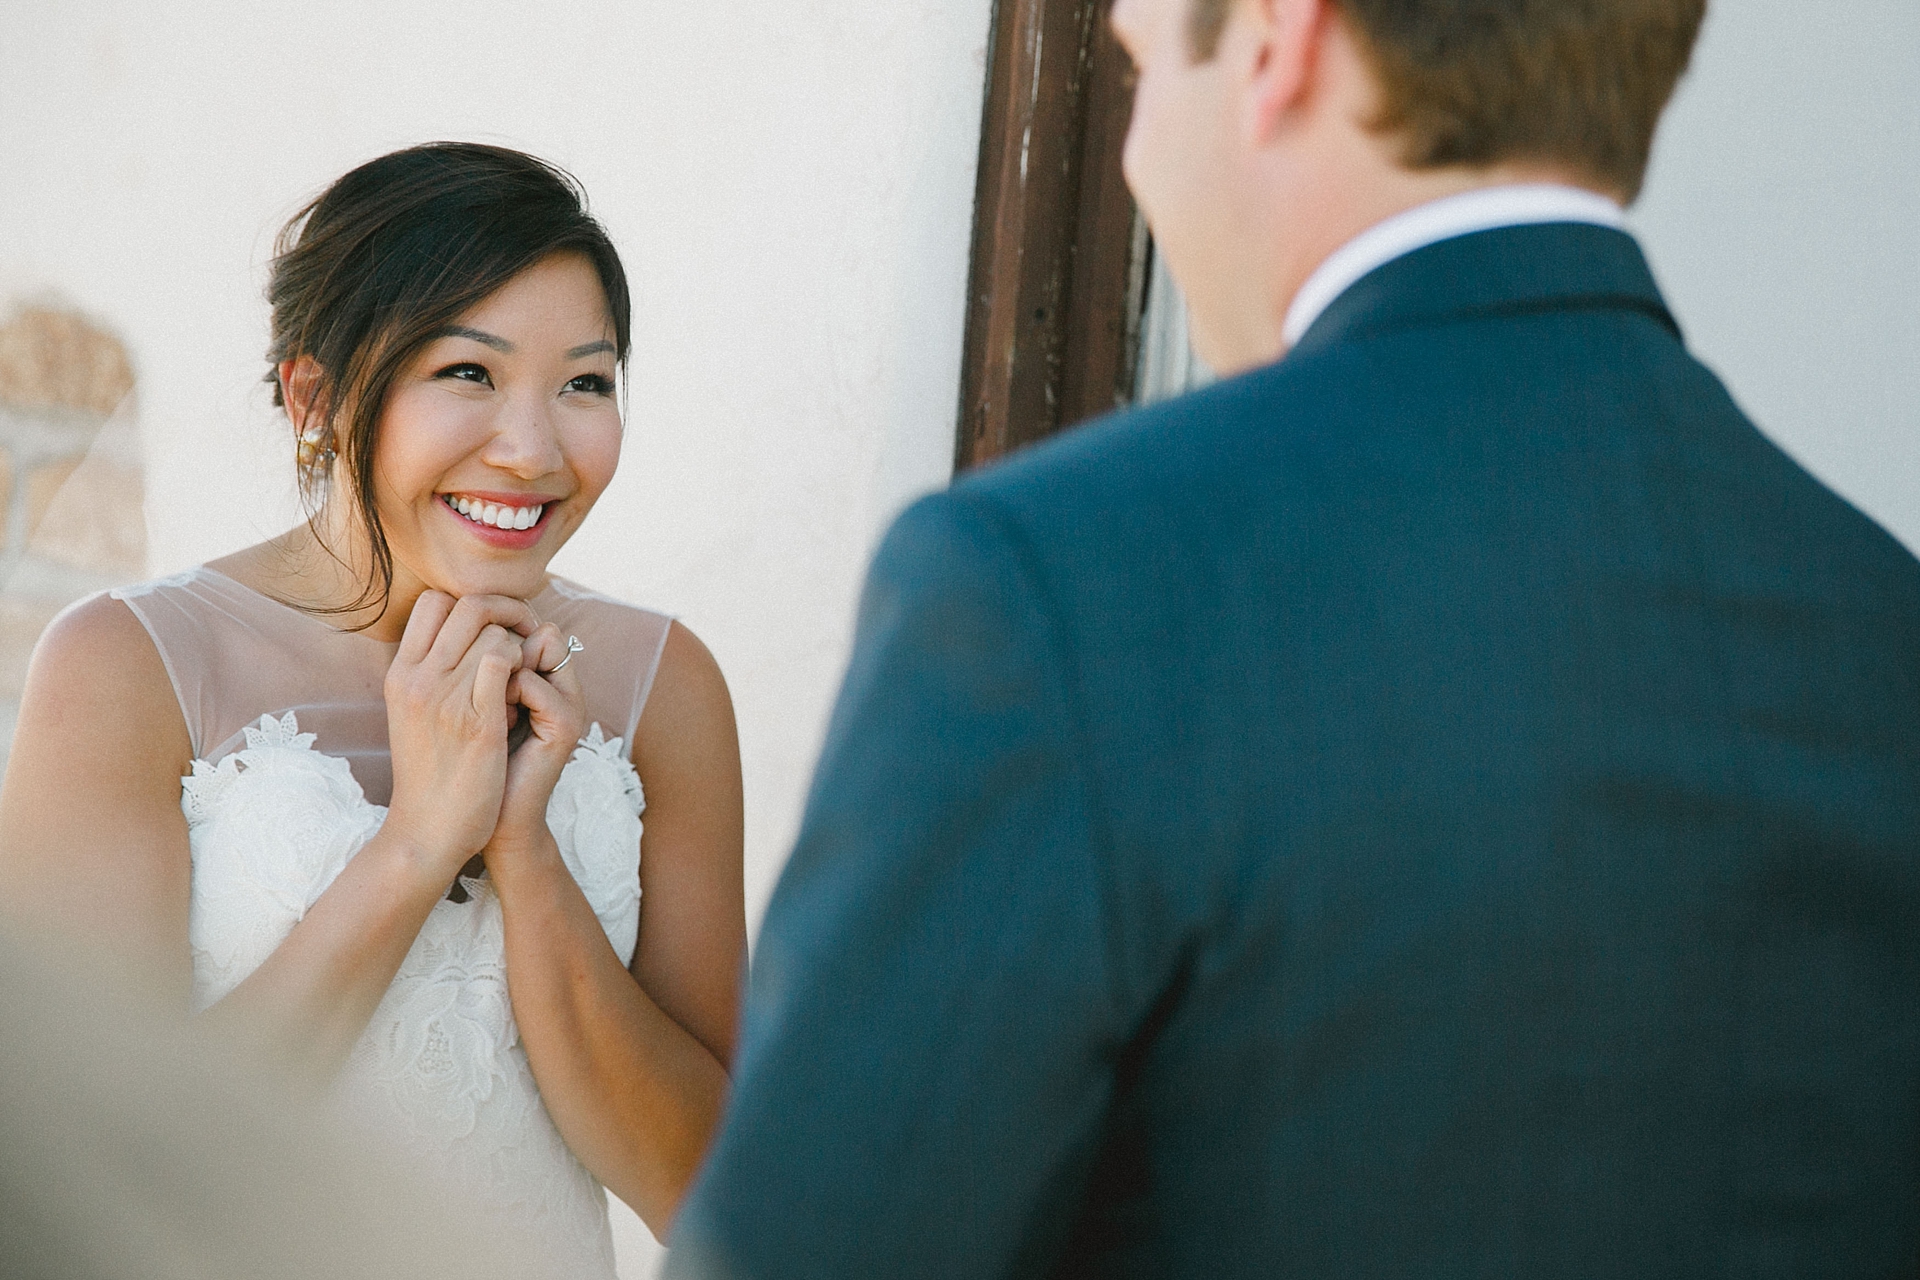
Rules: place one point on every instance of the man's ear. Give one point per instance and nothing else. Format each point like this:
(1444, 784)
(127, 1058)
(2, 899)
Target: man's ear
(300, 387)
(1278, 44)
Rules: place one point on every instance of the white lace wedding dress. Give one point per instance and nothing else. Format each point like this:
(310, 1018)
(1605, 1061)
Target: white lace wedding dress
(289, 779)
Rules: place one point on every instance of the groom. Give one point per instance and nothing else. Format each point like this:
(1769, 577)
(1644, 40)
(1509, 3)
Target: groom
(1443, 802)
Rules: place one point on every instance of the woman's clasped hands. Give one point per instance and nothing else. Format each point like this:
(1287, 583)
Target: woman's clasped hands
(464, 671)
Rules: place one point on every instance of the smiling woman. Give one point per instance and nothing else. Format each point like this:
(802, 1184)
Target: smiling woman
(446, 268)
(511, 410)
(350, 793)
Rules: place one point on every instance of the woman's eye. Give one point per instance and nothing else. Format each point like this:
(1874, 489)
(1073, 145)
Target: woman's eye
(593, 384)
(467, 373)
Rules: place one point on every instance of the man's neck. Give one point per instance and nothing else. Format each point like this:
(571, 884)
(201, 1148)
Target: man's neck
(1340, 212)
(1478, 209)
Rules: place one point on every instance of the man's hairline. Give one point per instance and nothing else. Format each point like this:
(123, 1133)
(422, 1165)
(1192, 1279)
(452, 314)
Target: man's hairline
(1203, 46)
(1203, 39)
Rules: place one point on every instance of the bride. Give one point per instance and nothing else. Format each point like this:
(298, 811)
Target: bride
(372, 791)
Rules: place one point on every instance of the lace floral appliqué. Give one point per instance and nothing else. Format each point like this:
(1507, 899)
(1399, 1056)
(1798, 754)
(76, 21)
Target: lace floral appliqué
(272, 826)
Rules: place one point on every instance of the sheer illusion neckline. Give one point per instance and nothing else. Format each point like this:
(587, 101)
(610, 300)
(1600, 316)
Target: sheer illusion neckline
(316, 620)
(234, 654)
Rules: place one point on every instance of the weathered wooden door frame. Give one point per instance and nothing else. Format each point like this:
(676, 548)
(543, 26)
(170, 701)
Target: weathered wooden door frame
(1059, 252)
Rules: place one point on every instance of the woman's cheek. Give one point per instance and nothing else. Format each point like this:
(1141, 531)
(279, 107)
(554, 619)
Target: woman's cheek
(595, 455)
(425, 430)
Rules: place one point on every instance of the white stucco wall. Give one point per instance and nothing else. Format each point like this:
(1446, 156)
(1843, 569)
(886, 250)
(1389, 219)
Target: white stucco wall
(792, 185)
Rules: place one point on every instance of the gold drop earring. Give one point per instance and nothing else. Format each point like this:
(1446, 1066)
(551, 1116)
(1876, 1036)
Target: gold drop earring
(316, 448)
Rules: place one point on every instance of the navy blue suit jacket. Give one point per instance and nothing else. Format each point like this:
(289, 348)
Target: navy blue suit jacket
(1446, 804)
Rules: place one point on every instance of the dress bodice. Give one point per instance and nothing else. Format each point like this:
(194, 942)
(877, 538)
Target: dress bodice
(235, 655)
(275, 811)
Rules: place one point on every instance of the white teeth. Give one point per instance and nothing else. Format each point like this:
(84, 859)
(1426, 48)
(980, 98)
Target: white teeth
(499, 517)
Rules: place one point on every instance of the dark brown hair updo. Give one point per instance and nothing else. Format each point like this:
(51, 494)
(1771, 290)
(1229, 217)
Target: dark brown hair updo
(387, 257)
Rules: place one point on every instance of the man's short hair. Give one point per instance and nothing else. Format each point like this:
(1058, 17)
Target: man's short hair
(1580, 83)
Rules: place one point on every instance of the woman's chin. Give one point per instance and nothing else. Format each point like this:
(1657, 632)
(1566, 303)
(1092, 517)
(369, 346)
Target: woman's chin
(521, 581)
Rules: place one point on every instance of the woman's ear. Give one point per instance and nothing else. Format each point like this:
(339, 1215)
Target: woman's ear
(300, 387)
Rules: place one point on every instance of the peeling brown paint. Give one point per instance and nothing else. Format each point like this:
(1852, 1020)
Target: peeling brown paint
(1053, 294)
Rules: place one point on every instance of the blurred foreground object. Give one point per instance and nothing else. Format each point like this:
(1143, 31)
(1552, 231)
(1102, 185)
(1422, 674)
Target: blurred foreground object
(132, 1149)
(72, 515)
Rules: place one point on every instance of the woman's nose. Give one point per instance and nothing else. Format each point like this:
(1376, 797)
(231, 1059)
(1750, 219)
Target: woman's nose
(527, 442)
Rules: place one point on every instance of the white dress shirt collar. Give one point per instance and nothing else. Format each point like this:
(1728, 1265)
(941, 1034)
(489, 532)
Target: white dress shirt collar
(1443, 219)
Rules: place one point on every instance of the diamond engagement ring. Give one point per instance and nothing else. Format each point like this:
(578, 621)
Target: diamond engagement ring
(573, 646)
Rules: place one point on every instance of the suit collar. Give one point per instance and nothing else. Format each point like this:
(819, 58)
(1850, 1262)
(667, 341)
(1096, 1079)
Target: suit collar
(1508, 270)
(1481, 209)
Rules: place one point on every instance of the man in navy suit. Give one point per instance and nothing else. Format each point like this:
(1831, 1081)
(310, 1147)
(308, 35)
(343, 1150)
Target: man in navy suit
(1444, 801)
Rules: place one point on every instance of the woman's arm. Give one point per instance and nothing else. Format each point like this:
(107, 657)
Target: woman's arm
(633, 1064)
(93, 845)
(446, 697)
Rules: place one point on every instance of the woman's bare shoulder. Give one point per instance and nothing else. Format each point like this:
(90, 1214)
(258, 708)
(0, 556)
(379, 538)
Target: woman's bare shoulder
(100, 629)
(93, 843)
(95, 665)
(693, 934)
(689, 706)
(687, 745)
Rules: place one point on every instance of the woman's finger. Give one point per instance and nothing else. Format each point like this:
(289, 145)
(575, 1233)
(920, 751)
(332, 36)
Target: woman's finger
(567, 678)
(555, 715)
(469, 618)
(565, 681)
(429, 615)
(491, 663)
(551, 661)
(544, 648)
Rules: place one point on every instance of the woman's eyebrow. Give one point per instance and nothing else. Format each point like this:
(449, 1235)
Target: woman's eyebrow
(590, 349)
(477, 335)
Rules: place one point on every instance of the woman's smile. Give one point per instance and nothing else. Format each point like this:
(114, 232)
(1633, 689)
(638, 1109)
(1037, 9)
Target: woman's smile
(507, 425)
(506, 520)
(449, 330)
